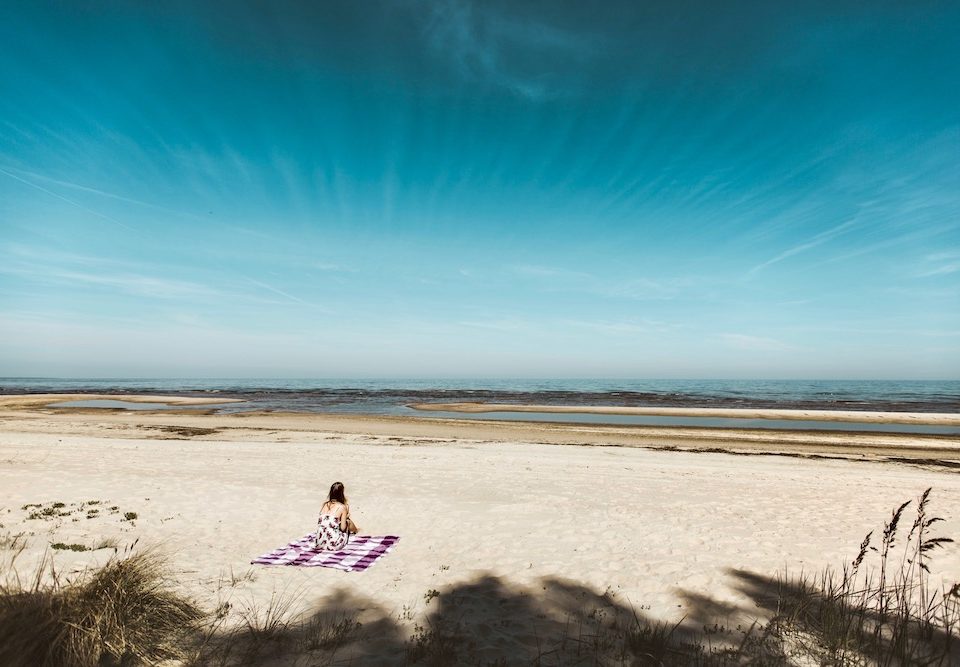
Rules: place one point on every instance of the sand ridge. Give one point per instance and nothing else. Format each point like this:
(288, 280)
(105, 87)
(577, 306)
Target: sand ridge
(929, 418)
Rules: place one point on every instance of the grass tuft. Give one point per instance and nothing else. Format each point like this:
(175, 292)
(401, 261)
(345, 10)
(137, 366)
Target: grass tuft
(124, 611)
(889, 615)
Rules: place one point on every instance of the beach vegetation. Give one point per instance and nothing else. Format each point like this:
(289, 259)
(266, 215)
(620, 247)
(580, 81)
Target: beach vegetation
(12, 541)
(127, 611)
(330, 632)
(233, 579)
(889, 614)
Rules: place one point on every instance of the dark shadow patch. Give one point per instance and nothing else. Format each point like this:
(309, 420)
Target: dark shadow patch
(185, 432)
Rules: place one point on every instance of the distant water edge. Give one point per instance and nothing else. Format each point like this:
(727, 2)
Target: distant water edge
(391, 396)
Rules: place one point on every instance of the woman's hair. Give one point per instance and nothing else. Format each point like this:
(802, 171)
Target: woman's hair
(336, 493)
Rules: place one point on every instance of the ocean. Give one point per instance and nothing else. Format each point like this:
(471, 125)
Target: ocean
(391, 396)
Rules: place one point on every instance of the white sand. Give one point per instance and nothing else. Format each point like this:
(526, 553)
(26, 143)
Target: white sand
(659, 529)
(854, 416)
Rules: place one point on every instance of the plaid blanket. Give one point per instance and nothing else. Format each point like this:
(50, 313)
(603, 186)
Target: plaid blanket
(360, 553)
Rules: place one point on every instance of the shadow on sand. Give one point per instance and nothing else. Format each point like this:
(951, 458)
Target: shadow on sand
(490, 622)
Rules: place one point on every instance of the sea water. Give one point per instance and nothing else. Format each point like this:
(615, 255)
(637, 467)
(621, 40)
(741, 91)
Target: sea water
(392, 396)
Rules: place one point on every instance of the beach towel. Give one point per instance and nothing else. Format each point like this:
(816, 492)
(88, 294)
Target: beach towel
(360, 553)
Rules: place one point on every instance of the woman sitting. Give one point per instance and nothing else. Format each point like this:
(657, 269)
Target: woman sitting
(334, 526)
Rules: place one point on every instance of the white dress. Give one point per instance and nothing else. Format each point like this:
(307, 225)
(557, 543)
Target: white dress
(329, 535)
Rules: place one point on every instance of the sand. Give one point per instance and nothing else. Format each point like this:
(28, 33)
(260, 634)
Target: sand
(502, 527)
(856, 416)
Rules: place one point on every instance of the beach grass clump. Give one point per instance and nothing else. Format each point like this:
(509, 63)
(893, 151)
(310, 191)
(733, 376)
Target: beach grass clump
(330, 632)
(125, 611)
(440, 643)
(890, 614)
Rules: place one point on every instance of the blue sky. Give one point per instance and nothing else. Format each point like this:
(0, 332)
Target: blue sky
(444, 189)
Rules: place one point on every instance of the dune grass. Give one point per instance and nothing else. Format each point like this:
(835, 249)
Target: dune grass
(125, 611)
(887, 615)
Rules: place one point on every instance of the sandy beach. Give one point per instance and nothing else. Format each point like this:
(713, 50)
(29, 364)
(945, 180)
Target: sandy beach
(852, 416)
(498, 522)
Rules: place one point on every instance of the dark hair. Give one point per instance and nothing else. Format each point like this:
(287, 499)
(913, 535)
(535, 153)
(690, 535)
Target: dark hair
(336, 493)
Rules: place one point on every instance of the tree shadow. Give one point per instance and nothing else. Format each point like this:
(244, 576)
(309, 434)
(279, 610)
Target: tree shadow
(491, 621)
(844, 623)
(485, 621)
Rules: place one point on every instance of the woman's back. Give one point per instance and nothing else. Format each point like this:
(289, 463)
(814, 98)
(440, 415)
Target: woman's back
(332, 508)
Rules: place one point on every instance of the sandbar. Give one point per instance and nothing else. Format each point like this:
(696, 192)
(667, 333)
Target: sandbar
(930, 418)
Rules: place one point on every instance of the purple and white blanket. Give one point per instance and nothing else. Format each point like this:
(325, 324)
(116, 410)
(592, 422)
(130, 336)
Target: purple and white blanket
(360, 553)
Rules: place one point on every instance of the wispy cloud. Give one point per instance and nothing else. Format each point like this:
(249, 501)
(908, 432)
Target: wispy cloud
(45, 265)
(510, 325)
(754, 343)
(69, 201)
(287, 295)
(538, 271)
(94, 191)
(621, 328)
(940, 264)
(492, 47)
(819, 239)
(569, 280)
(129, 283)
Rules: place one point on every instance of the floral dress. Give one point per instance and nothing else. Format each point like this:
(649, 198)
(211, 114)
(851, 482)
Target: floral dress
(329, 535)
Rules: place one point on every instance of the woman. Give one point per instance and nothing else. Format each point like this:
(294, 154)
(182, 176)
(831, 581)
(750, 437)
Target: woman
(334, 525)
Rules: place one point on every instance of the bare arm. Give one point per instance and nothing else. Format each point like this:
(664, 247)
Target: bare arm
(346, 523)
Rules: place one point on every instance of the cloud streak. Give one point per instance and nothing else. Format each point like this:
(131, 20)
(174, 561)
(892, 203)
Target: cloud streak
(497, 49)
(754, 343)
(940, 264)
(78, 205)
(818, 240)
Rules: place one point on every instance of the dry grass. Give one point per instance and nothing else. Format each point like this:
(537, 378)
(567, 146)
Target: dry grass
(888, 615)
(124, 612)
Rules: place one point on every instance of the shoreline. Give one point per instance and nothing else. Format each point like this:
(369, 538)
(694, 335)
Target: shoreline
(26, 401)
(32, 414)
